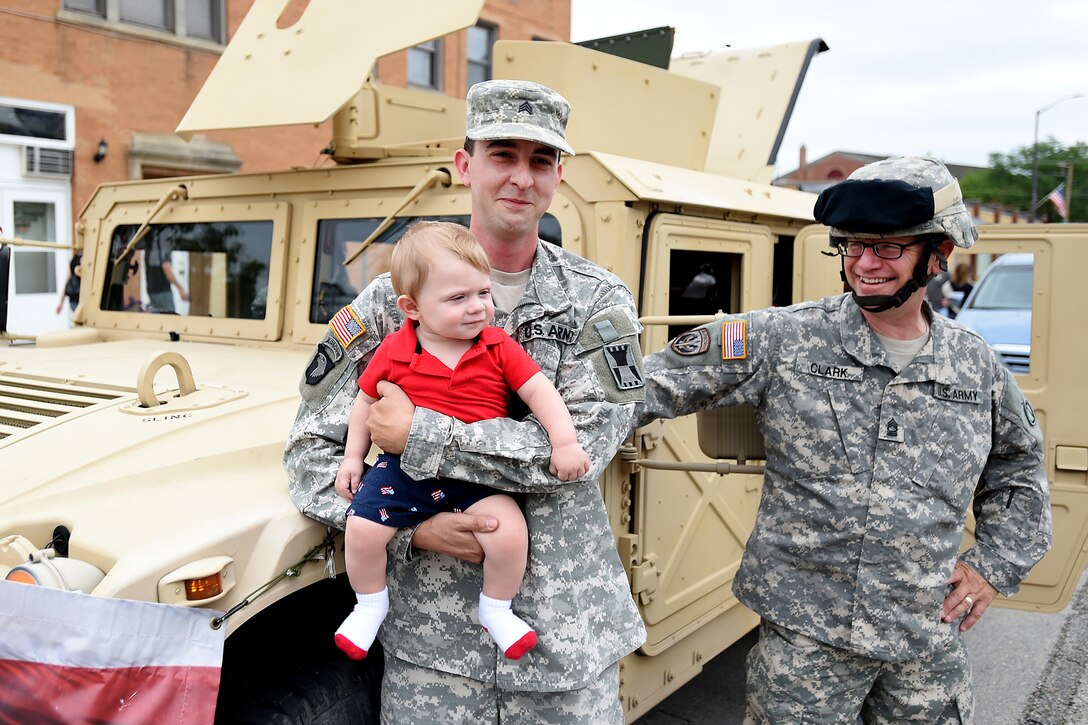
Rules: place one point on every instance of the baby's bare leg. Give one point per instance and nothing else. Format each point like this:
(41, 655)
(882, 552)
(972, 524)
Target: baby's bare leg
(505, 554)
(505, 549)
(365, 543)
(364, 554)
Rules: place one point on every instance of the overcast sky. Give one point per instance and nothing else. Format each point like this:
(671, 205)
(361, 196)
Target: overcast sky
(957, 79)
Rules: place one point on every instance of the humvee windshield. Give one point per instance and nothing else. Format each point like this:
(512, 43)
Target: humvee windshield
(206, 269)
(335, 285)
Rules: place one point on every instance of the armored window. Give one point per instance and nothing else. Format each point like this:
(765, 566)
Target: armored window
(425, 65)
(335, 285)
(480, 39)
(203, 269)
(702, 283)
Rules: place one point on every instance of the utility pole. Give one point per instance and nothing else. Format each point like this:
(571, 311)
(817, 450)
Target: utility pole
(1035, 150)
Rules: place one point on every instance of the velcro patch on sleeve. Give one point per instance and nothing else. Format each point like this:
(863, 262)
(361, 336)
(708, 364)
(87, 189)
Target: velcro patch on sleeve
(734, 340)
(691, 343)
(623, 363)
(610, 341)
(321, 364)
(346, 326)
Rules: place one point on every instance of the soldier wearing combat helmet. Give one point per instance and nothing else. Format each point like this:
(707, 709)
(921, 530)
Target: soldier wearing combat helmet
(579, 323)
(884, 423)
(895, 198)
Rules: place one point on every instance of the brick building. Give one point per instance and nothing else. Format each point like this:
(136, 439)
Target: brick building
(92, 90)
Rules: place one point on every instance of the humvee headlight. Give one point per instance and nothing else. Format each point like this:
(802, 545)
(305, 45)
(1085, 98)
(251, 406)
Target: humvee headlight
(22, 576)
(57, 572)
(198, 582)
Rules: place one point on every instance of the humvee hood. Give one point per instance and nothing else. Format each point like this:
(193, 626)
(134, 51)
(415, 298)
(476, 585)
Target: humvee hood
(84, 449)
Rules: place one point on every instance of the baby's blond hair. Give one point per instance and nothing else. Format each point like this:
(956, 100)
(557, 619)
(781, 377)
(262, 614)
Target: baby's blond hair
(411, 262)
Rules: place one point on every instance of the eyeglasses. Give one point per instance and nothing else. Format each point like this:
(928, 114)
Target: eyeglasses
(884, 250)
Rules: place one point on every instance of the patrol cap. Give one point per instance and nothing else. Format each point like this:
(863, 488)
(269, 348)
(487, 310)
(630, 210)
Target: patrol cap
(524, 110)
(897, 197)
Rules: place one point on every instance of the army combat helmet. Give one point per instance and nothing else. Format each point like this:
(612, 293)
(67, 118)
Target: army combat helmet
(898, 197)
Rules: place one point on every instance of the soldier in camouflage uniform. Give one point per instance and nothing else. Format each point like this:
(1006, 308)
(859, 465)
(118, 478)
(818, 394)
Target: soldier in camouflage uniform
(883, 423)
(579, 323)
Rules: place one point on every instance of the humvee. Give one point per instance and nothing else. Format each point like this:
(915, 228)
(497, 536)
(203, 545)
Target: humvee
(142, 448)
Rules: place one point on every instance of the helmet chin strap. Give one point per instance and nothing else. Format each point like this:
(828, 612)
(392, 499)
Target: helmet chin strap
(880, 303)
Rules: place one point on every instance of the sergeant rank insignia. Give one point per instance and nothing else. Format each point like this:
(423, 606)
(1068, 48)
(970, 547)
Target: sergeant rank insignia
(692, 342)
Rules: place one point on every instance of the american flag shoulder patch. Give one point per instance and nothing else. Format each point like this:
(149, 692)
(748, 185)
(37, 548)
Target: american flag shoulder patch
(734, 340)
(347, 326)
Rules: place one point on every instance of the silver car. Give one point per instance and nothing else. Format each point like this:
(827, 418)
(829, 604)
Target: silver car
(999, 308)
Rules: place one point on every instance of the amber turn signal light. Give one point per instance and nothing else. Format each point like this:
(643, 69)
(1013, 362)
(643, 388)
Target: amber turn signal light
(205, 587)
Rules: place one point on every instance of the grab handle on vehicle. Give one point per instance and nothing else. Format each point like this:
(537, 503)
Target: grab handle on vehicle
(145, 381)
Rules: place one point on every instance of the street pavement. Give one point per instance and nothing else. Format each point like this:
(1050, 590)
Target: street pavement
(1028, 669)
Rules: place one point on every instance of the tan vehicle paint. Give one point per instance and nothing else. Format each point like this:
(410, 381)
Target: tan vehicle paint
(155, 439)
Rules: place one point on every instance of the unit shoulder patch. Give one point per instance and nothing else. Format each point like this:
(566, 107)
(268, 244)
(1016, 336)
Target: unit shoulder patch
(623, 365)
(609, 344)
(691, 343)
(320, 364)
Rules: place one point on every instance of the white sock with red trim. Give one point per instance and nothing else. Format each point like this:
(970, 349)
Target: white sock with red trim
(357, 633)
(509, 631)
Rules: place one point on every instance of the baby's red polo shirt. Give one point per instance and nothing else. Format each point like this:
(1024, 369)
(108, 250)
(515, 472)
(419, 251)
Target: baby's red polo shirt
(479, 387)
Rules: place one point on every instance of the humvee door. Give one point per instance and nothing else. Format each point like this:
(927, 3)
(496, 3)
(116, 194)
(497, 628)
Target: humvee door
(1054, 382)
(690, 525)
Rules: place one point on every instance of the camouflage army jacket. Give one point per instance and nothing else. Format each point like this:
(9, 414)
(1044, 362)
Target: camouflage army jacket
(578, 322)
(870, 468)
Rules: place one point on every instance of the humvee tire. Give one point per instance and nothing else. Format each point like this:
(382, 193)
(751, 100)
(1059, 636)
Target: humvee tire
(282, 667)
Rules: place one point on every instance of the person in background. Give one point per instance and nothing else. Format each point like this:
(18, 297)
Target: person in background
(160, 276)
(884, 423)
(71, 285)
(935, 292)
(961, 282)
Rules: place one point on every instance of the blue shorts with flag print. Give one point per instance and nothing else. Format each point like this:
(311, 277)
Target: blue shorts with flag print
(391, 497)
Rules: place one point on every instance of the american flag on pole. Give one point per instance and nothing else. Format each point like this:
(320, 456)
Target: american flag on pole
(734, 340)
(68, 657)
(1057, 197)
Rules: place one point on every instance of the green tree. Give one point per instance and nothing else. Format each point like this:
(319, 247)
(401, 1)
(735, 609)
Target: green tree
(1008, 180)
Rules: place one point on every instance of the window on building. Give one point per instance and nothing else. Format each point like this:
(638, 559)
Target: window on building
(204, 19)
(200, 19)
(152, 14)
(94, 7)
(32, 123)
(480, 39)
(425, 65)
